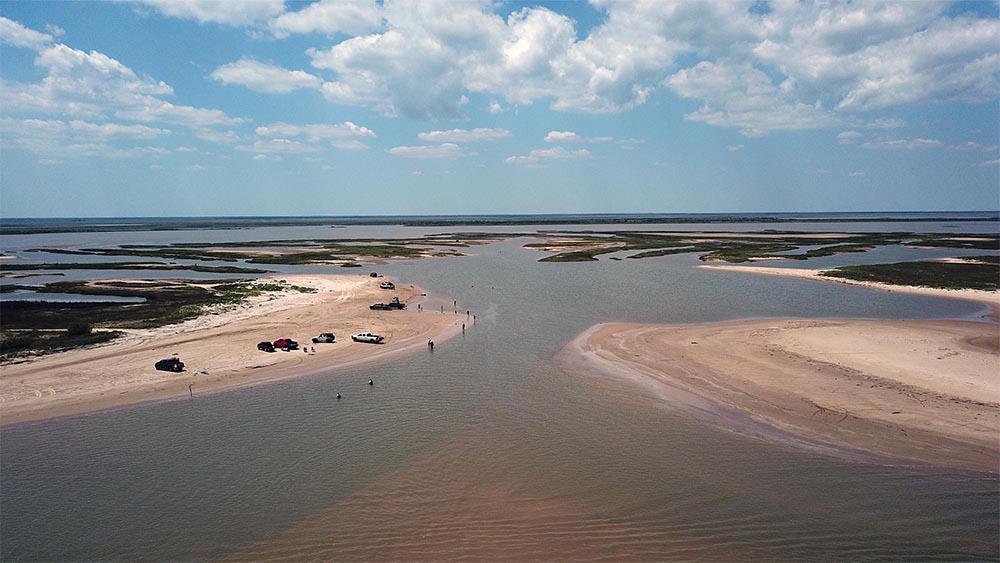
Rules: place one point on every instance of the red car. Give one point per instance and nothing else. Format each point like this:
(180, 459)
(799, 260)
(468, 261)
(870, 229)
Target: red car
(286, 344)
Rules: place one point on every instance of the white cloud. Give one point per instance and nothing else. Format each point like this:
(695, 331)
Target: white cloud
(165, 112)
(463, 135)
(416, 173)
(55, 30)
(856, 175)
(315, 131)
(77, 138)
(353, 17)
(848, 137)
(108, 130)
(740, 95)
(793, 66)
(571, 137)
(443, 151)
(219, 11)
(537, 156)
(908, 144)
(16, 35)
(263, 77)
(96, 87)
(278, 146)
(974, 146)
(823, 171)
(186, 149)
(987, 163)
(734, 148)
(195, 168)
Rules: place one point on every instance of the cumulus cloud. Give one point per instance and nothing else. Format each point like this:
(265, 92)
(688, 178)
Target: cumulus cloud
(537, 156)
(352, 17)
(92, 86)
(463, 135)
(263, 77)
(571, 137)
(742, 96)
(218, 11)
(77, 138)
(734, 148)
(16, 35)
(442, 151)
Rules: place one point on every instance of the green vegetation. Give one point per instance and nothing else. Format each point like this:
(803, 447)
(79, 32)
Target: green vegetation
(15, 343)
(32, 324)
(720, 246)
(976, 241)
(130, 266)
(927, 274)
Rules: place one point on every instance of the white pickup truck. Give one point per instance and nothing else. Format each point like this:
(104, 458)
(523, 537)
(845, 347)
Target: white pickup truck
(368, 337)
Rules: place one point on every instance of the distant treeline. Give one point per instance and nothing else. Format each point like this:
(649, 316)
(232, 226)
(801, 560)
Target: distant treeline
(39, 226)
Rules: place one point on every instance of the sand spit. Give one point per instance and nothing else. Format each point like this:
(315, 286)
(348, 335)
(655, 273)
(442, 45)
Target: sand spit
(991, 298)
(916, 391)
(219, 349)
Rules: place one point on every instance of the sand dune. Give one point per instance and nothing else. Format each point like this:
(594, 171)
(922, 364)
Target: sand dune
(219, 350)
(916, 391)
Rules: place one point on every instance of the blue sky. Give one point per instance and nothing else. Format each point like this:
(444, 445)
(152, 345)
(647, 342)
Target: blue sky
(207, 107)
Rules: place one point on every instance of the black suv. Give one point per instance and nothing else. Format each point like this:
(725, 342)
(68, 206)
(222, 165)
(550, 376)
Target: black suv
(169, 364)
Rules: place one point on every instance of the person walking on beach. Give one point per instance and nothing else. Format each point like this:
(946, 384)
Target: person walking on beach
(463, 328)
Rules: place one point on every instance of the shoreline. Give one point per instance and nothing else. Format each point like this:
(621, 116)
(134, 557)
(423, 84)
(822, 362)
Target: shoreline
(910, 392)
(219, 350)
(991, 299)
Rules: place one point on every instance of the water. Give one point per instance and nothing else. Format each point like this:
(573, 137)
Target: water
(487, 449)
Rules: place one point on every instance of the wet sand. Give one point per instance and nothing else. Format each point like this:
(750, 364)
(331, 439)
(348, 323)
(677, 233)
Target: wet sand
(904, 391)
(220, 350)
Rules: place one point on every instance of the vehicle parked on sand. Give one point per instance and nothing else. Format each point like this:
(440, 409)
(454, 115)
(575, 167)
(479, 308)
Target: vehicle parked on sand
(170, 364)
(373, 274)
(286, 344)
(265, 347)
(395, 304)
(387, 285)
(368, 337)
(380, 307)
(326, 337)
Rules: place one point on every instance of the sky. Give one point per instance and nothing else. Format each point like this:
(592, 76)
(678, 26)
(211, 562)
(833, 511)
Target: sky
(271, 107)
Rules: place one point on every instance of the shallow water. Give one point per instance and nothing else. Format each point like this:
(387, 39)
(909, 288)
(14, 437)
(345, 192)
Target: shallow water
(487, 449)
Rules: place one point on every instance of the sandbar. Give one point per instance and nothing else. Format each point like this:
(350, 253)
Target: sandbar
(219, 349)
(991, 298)
(910, 392)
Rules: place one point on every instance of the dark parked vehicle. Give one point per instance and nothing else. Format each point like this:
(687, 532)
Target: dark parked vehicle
(170, 364)
(326, 337)
(286, 344)
(395, 304)
(373, 274)
(380, 307)
(265, 347)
